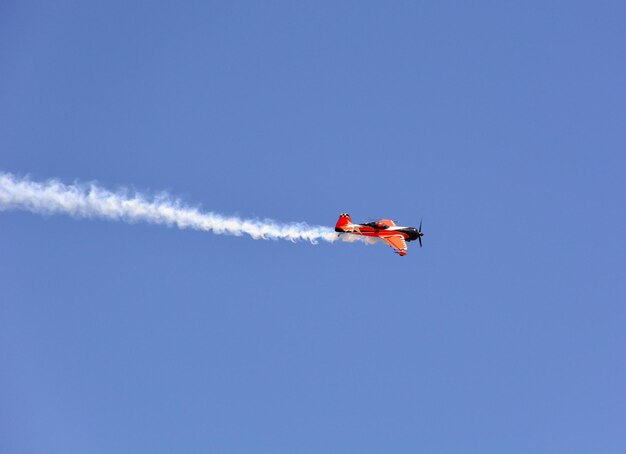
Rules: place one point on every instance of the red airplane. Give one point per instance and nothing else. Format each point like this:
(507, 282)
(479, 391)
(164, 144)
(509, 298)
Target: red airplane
(385, 229)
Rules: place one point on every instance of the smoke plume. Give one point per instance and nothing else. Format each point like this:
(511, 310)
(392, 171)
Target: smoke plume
(92, 201)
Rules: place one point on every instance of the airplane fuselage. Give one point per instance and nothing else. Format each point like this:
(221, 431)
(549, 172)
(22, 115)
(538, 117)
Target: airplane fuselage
(408, 233)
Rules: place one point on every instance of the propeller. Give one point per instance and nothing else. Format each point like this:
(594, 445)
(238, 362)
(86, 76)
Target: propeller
(420, 234)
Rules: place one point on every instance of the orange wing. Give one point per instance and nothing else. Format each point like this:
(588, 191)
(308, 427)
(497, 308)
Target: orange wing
(397, 242)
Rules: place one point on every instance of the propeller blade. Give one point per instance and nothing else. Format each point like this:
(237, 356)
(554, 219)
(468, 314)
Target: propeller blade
(420, 234)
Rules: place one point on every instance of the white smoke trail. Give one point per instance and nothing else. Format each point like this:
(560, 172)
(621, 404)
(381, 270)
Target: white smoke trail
(91, 201)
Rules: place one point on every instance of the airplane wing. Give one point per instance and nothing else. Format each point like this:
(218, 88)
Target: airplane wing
(397, 243)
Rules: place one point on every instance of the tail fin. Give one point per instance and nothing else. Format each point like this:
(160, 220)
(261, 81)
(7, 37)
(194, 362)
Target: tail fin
(344, 219)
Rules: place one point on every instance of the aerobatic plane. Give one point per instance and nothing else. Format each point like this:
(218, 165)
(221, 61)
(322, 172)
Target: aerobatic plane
(385, 229)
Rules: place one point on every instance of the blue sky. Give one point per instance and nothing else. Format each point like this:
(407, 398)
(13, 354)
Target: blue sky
(501, 125)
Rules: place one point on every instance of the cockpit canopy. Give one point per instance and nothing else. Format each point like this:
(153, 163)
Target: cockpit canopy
(377, 225)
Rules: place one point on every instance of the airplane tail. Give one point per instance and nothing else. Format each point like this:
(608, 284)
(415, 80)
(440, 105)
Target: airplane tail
(344, 219)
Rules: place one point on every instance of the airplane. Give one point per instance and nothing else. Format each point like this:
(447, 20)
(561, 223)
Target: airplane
(385, 229)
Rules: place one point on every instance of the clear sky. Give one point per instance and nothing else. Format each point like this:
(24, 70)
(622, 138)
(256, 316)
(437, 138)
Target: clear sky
(500, 124)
